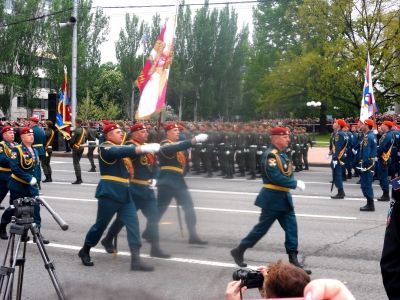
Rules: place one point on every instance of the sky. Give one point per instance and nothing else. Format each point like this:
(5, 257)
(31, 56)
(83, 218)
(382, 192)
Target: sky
(117, 16)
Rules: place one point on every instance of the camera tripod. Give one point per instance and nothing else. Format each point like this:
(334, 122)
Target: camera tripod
(22, 222)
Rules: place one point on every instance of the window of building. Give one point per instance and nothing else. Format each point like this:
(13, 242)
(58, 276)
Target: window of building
(8, 4)
(20, 102)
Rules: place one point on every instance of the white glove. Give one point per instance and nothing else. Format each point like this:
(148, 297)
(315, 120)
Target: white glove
(398, 153)
(288, 150)
(345, 155)
(150, 148)
(375, 131)
(259, 152)
(293, 152)
(363, 169)
(334, 163)
(241, 151)
(153, 183)
(354, 151)
(327, 156)
(376, 159)
(201, 138)
(227, 152)
(301, 185)
(203, 150)
(33, 181)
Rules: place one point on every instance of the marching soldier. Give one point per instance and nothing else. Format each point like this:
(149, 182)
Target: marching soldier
(275, 200)
(229, 143)
(394, 153)
(114, 196)
(222, 136)
(171, 183)
(76, 142)
(39, 142)
(367, 160)
(196, 150)
(386, 143)
(214, 159)
(48, 149)
(338, 146)
(252, 141)
(91, 136)
(290, 149)
(25, 170)
(142, 189)
(6, 145)
(240, 144)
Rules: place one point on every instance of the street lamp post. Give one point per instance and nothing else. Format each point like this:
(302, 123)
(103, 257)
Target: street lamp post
(313, 105)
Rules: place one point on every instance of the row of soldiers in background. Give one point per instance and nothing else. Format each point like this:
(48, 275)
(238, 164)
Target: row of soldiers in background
(372, 153)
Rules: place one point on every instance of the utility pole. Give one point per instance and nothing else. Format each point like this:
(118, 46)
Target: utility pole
(74, 62)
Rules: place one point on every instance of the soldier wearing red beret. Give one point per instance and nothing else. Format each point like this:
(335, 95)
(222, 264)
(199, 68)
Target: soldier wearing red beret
(275, 199)
(384, 160)
(5, 152)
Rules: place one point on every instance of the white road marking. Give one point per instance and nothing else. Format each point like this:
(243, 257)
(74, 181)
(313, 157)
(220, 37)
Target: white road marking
(176, 259)
(215, 209)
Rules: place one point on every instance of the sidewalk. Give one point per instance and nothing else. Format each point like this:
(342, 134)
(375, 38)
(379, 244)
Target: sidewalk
(316, 156)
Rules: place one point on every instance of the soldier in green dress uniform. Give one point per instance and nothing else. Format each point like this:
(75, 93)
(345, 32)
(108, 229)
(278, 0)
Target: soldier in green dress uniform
(275, 199)
(91, 136)
(76, 142)
(48, 149)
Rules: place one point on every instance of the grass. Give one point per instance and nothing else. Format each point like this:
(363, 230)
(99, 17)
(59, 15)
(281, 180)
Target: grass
(321, 139)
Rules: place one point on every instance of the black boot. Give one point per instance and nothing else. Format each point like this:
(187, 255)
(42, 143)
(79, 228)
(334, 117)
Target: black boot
(349, 176)
(221, 174)
(385, 196)
(50, 179)
(306, 168)
(107, 243)
(209, 175)
(344, 178)
(359, 182)
(196, 173)
(45, 241)
(241, 174)
(137, 264)
(293, 260)
(297, 169)
(78, 180)
(340, 194)
(301, 167)
(2, 207)
(3, 232)
(237, 255)
(85, 256)
(47, 178)
(194, 238)
(253, 176)
(369, 207)
(93, 169)
(156, 250)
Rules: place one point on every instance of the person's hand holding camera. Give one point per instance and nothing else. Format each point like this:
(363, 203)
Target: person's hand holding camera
(233, 290)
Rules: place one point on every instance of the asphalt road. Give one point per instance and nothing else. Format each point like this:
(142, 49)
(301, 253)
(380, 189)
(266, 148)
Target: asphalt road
(336, 240)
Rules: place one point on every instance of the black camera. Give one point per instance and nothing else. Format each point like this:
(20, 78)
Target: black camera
(249, 277)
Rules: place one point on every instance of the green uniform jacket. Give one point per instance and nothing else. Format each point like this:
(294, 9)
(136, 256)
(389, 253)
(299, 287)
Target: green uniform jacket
(39, 140)
(23, 168)
(92, 134)
(171, 164)
(5, 154)
(277, 172)
(76, 135)
(115, 177)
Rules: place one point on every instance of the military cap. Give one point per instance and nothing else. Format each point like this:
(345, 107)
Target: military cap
(180, 127)
(170, 126)
(195, 125)
(78, 120)
(341, 122)
(105, 122)
(49, 123)
(120, 123)
(279, 131)
(7, 128)
(25, 130)
(90, 123)
(369, 122)
(110, 127)
(34, 119)
(138, 127)
(388, 123)
(208, 124)
(250, 124)
(240, 126)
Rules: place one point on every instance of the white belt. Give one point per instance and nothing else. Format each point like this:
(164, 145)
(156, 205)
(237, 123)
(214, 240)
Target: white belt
(91, 142)
(221, 144)
(264, 147)
(253, 146)
(199, 143)
(49, 147)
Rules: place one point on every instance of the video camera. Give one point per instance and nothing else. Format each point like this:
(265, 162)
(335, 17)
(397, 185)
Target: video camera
(249, 277)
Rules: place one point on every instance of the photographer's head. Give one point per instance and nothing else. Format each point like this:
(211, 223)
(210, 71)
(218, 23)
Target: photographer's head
(282, 279)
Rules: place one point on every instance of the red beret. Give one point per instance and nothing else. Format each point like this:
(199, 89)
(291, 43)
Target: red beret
(105, 122)
(34, 119)
(369, 122)
(110, 127)
(180, 127)
(7, 128)
(138, 127)
(341, 122)
(170, 126)
(279, 131)
(25, 130)
(388, 123)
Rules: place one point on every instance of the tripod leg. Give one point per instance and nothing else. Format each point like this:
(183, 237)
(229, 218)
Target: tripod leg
(48, 264)
(21, 263)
